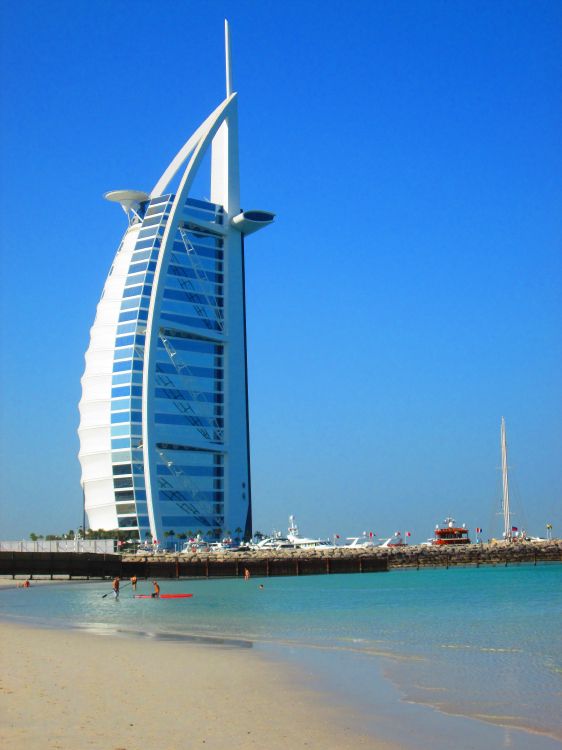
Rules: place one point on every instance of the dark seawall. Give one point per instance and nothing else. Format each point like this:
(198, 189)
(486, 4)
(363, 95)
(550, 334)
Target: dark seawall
(273, 563)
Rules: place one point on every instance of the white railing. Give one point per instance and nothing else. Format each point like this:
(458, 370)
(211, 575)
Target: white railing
(99, 546)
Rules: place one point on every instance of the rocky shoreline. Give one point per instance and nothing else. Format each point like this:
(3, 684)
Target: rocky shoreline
(408, 556)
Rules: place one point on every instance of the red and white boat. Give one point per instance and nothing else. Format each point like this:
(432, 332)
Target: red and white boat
(448, 533)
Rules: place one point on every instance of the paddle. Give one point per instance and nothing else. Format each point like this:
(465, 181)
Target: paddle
(122, 587)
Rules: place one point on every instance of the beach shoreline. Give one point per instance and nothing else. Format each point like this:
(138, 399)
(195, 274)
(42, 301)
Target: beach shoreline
(343, 691)
(63, 689)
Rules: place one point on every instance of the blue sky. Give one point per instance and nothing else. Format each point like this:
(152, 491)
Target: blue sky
(409, 294)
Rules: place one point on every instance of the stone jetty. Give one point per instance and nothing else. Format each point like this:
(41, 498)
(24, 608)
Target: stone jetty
(284, 562)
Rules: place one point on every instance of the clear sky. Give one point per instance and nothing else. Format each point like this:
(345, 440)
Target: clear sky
(409, 294)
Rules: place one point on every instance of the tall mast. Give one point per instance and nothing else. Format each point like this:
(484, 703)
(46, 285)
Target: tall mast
(227, 59)
(507, 533)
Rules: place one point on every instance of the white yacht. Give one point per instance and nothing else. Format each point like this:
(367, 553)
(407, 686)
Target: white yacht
(359, 542)
(273, 542)
(302, 542)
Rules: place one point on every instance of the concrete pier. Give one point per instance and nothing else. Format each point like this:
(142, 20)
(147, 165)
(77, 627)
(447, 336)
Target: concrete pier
(232, 564)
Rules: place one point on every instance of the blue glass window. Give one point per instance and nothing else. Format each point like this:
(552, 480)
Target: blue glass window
(124, 495)
(124, 353)
(156, 209)
(122, 482)
(186, 521)
(150, 232)
(125, 341)
(143, 254)
(191, 322)
(127, 522)
(122, 391)
(120, 430)
(192, 471)
(142, 245)
(119, 456)
(140, 278)
(178, 419)
(169, 369)
(152, 220)
(162, 199)
(119, 404)
(124, 377)
(130, 304)
(129, 315)
(194, 345)
(122, 365)
(132, 291)
(121, 443)
(120, 416)
(138, 267)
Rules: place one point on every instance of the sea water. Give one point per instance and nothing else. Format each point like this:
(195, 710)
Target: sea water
(433, 655)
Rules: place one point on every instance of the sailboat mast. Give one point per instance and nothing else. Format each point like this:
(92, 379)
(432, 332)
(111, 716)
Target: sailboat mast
(505, 484)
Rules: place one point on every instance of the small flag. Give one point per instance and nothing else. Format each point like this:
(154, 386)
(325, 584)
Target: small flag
(514, 528)
(408, 533)
(478, 530)
(337, 536)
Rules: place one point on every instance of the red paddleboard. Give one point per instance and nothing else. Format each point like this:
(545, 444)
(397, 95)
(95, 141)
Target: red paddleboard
(163, 596)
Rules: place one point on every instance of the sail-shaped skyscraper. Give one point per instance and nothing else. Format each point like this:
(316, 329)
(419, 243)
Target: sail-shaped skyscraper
(164, 443)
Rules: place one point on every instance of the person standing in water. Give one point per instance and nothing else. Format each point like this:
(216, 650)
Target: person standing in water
(116, 582)
(156, 592)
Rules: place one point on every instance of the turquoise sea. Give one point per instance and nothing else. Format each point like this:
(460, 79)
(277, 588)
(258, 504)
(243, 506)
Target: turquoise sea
(463, 658)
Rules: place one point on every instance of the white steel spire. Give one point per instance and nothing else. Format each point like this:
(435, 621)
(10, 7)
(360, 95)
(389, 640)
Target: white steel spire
(228, 60)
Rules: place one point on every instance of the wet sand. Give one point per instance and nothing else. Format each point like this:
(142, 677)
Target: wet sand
(62, 690)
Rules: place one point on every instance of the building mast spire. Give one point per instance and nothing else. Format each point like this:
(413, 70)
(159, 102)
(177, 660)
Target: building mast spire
(228, 60)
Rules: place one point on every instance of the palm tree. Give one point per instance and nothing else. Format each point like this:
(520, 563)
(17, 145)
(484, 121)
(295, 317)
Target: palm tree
(238, 531)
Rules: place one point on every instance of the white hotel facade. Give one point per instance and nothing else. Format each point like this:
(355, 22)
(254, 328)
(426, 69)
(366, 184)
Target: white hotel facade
(164, 438)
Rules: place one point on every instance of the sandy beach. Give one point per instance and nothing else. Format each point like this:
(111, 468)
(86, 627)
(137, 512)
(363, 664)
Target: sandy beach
(63, 690)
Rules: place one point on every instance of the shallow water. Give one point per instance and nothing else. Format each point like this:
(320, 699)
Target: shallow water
(484, 644)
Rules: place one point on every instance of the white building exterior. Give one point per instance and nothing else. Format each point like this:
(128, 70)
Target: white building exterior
(164, 442)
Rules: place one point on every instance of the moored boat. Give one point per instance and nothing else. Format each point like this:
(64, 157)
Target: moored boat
(302, 542)
(448, 533)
